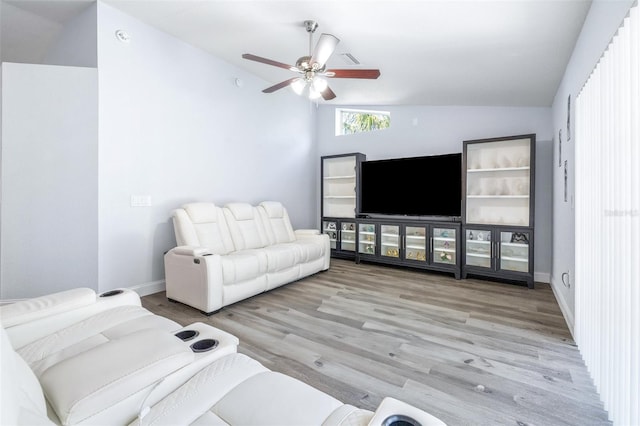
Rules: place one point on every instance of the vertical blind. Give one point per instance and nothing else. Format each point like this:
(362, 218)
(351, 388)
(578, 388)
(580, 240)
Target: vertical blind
(607, 286)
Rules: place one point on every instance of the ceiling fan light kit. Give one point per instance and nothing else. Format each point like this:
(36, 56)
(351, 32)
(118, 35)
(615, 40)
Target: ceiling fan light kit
(312, 68)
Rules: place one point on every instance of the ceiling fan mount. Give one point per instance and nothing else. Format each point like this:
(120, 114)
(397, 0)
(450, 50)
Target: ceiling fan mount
(310, 25)
(312, 67)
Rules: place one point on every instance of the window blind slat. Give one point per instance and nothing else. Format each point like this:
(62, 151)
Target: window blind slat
(607, 298)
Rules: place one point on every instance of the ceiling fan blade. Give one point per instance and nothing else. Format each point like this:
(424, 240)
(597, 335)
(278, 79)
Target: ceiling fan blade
(279, 85)
(324, 49)
(327, 94)
(355, 73)
(251, 57)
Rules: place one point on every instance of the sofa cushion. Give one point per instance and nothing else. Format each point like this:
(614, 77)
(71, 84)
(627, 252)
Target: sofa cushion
(243, 266)
(310, 249)
(237, 390)
(277, 223)
(96, 379)
(191, 403)
(201, 212)
(245, 225)
(276, 399)
(283, 256)
(91, 332)
(202, 225)
(241, 211)
(273, 208)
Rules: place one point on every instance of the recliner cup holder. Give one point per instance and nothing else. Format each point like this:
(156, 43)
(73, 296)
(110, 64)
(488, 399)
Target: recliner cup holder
(186, 335)
(111, 293)
(204, 345)
(400, 420)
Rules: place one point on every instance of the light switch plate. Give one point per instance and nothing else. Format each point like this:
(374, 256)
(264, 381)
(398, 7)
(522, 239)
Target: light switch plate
(140, 200)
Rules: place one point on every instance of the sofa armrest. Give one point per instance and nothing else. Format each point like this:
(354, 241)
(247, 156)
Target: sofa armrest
(99, 378)
(306, 232)
(402, 413)
(28, 320)
(40, 307)
(193, 275)
(191, 251)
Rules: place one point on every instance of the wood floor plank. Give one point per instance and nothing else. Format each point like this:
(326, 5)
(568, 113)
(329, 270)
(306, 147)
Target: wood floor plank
(471, 352)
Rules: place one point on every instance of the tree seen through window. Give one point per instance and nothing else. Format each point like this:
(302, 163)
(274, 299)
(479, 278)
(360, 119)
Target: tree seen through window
(353, 121)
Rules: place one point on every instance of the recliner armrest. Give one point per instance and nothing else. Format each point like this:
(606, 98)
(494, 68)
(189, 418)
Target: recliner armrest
(40, 307)
(391, 407)
(191, 251)
(305, 232)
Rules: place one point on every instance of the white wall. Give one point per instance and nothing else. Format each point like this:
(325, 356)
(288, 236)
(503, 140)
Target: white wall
(76, 44)
(602, 22)
(49, 226)
(431, 130)
(175, 127)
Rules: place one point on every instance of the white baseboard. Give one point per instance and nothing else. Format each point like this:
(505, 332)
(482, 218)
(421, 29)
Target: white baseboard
(542, 277)
(9, 301)
(149, 288)
(564, 308)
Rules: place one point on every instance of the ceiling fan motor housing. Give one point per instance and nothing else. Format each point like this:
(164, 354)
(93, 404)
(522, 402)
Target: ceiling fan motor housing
(304, 65)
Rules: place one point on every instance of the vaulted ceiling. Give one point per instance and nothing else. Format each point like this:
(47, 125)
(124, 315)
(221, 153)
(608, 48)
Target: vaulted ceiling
(432, 52)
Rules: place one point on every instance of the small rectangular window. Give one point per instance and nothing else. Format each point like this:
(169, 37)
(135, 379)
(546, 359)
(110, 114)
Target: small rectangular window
(350, 121)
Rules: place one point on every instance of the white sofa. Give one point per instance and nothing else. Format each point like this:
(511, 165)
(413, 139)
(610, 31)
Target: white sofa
(232, 390)
(111, 358)
(143, 370)
(227, 254)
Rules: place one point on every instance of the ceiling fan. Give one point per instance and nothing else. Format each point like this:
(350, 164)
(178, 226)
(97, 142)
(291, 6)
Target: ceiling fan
(312, 68)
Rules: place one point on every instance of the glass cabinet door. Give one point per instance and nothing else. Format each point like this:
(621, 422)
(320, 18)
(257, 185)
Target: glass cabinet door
(366, 238)
(331, 229)
(415, 243)
(444, 246)
(348, 236)
(514, 251)
(478, 247)
(390, 240)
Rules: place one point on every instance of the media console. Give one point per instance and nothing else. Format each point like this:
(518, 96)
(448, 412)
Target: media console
(473, 217)
(433, 245)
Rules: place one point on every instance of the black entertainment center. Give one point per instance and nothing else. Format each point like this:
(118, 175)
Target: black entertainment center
(466, 213)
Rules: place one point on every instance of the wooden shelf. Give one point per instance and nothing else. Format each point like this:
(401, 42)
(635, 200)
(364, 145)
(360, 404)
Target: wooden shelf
(499, 169)
(497, 196)
(352, 177)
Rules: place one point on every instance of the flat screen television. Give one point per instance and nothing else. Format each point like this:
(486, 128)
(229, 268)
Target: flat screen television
(429, 186)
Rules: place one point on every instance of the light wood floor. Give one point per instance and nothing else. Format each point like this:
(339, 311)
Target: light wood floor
(471, 352)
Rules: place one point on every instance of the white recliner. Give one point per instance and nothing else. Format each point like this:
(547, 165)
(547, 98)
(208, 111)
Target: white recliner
(227, 254)
(147, 374)
(103, 367)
